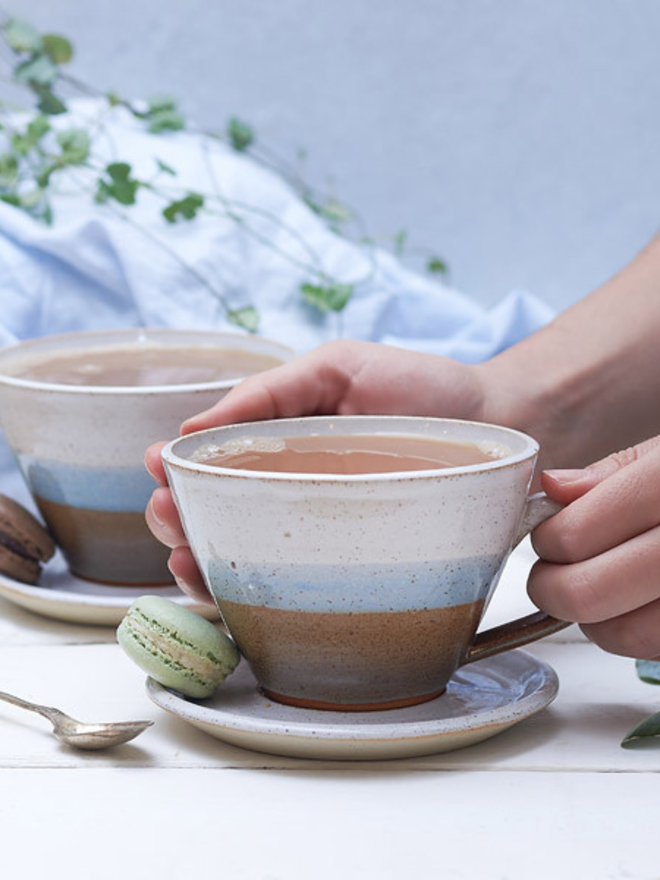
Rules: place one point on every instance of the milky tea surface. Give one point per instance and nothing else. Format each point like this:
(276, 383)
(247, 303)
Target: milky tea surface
(145, 365)
(338, 454)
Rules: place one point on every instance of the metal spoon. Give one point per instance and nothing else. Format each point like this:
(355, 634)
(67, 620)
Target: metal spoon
(80, 735)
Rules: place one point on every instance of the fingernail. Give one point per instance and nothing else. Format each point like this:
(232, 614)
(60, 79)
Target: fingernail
(152, 513)
(564, 477)
(188, 426)
(178, 580)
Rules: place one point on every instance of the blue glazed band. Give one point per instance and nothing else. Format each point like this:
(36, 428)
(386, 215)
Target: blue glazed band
(364, 588)
(108, 489)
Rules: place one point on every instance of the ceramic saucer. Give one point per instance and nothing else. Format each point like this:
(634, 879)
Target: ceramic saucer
(481, 700)
(62, 596)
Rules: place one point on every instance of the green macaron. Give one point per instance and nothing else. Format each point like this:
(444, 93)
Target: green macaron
(177, 647)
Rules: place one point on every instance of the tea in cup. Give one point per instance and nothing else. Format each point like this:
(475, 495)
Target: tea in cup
(352, 557)
(79, 410)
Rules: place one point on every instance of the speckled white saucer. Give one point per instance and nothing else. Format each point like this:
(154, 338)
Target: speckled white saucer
(481, 700)
(62, 596)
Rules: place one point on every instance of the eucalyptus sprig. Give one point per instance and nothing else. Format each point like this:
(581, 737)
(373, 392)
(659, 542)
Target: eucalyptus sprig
(38, 154)
(649, 729)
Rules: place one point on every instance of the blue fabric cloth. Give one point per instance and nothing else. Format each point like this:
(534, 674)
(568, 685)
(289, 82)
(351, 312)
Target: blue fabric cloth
(101, 266)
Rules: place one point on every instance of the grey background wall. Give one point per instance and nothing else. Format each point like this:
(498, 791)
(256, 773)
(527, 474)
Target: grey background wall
(519, 139)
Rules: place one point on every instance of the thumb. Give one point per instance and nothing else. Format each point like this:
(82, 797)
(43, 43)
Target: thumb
(567, 485)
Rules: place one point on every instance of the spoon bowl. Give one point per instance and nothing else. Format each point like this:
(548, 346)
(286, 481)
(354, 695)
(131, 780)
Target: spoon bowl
(78, 734)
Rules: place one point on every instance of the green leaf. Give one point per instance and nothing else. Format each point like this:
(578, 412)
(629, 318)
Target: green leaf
(39, 70)
(123, 192)
(648, 671)
(58, 48)
(37, 128)
(166, 120)
(438, 266)
(247, 318)
(165, 168)
(335, 212)
(327, 297)
(42, 178)
(400, 241)
(312, 203)
(34, 202)
(241, 135)
(161, 102)
(75, 145)
(21, 145)
(648, 729)
(31, 199)
(21, 36)
(121, 187)
(49, 104)
(8, 169)
(186, 208)
(162, 114)
(47, 214)
(119, 171)
(102, 194)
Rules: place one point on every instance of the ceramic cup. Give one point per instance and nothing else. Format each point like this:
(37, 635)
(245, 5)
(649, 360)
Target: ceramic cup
(359, 592)
(81, 447)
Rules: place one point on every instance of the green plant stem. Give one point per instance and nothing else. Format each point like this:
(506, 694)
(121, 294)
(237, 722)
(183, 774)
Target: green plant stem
(227, 204)
(201, 279)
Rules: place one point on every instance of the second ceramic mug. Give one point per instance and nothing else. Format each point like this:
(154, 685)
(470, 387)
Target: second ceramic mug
(81, 447)
(360, 591)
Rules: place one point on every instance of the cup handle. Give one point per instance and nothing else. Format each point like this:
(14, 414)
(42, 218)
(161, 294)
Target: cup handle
(523, 630)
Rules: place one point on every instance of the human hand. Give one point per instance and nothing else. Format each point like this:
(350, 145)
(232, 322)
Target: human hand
(163, 520)
(600, 555)
(351, 378)
(336, 378)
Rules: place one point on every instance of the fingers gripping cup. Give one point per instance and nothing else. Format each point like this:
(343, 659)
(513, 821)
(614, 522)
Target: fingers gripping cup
(352, 558)
(79, 411)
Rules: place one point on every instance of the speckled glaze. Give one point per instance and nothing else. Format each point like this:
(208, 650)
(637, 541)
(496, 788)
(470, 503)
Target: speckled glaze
(481, 700)
(354, 592)
(81, 448)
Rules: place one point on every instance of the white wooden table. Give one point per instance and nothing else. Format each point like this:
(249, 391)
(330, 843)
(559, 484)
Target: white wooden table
(553, 797)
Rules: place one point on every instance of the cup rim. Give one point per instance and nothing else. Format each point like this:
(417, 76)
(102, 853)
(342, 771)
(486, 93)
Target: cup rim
(172, 459)
(128, 335)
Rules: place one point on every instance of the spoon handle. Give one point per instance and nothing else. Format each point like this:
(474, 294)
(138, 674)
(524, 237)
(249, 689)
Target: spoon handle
(46, 711)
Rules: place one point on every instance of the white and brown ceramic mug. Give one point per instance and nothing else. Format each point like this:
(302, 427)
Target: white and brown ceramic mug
(79, 438)
(360, 591)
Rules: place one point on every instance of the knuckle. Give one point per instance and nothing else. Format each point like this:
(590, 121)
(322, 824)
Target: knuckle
(560, 542)
(624, 457)
(582, 596)
(566, 592)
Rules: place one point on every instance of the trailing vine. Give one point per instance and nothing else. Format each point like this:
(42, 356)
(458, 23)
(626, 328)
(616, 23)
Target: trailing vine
(36, 156)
